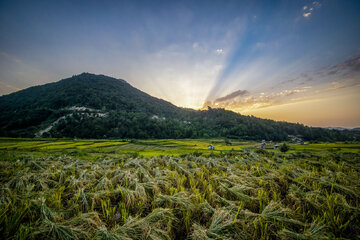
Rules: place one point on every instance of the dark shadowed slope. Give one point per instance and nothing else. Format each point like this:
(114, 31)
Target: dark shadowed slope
(94, 91)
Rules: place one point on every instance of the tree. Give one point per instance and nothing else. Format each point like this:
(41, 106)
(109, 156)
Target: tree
(227, 142)
(284, 148)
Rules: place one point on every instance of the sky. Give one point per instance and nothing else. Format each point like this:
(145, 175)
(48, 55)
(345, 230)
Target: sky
(296, 61)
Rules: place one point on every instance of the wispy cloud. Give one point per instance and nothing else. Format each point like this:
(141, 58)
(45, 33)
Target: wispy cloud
(232, 95)
(348, 68)
(244, 100)
(352, 64)
(308, 9)
(334, 86)
(344, 71)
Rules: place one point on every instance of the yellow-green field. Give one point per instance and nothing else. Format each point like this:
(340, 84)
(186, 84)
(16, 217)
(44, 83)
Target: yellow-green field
(149, 148)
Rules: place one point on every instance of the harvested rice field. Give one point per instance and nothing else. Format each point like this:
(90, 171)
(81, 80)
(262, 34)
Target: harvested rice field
(177, 189)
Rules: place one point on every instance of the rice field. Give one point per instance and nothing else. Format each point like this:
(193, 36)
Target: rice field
(93, 149)
(177, 189)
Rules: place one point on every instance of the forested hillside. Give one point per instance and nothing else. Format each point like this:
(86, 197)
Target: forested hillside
(97, 106)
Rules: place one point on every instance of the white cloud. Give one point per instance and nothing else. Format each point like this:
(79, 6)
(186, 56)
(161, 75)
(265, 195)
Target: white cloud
(307, 14)
(305, 7)
(219, 51)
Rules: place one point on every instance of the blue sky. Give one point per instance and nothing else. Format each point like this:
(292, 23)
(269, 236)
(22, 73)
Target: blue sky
(266, 58)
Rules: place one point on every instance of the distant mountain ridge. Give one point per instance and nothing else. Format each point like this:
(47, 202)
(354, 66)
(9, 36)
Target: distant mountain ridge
(342, 128)
(98, 106)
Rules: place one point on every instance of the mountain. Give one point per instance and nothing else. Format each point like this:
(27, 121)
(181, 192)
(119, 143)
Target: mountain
(98, 106)
(94, 91)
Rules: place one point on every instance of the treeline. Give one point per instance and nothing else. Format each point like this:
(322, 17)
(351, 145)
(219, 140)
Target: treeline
(200, 124)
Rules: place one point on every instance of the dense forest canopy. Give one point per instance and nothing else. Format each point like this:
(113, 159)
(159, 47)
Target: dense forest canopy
(97, 106)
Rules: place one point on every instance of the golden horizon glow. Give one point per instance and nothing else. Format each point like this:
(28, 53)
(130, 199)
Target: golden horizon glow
(321, 110)
(325, 105)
